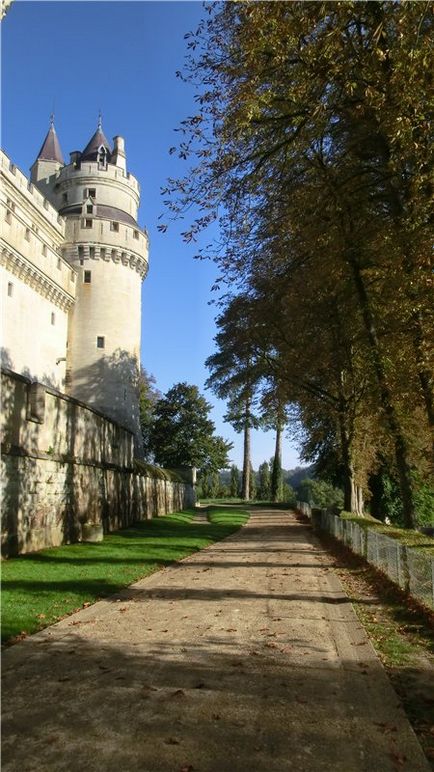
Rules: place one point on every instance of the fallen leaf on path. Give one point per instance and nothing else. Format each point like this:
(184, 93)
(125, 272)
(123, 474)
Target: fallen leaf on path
(172, 741)
(178, 693)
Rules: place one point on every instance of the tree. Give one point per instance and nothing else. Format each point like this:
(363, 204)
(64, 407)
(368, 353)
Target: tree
(148, 397)
(235, 482)
(313, 140)
(264, 482)
(182, 433)
(252, 484)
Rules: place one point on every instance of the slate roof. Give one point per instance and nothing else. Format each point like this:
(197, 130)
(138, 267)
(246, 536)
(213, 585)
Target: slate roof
(50, 150)
(106, 212)
(90, 152)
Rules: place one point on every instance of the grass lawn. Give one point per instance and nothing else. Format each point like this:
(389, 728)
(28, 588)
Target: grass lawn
(41, 588)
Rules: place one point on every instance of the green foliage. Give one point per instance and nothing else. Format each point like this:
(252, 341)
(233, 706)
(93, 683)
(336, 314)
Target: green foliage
(148, 397)
(288, 495)
(182, 433)
(319, 493)
(264, 482)
(234, 482)
(40, 588)
(252, 484)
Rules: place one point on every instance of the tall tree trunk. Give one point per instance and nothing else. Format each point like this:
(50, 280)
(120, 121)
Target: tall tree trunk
(276, 475)
(399, 441)
(245, 487)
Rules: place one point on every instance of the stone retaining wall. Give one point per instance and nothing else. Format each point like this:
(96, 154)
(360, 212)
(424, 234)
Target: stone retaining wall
(64, 464)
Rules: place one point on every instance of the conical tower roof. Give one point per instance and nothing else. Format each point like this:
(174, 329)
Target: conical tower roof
(50, 150)
(90, 152)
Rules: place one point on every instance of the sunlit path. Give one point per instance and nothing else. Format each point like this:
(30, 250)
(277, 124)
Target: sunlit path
(246, 656)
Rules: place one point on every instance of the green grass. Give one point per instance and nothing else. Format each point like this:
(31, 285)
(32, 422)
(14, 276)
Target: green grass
(43, 587)
(406, 536)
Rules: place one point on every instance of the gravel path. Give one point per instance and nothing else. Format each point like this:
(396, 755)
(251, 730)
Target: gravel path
(244, 657)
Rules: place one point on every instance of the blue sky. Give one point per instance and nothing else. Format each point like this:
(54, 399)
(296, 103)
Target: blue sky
(121, 57)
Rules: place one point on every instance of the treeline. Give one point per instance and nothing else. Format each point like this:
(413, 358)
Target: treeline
(295, 485)
(312, 148)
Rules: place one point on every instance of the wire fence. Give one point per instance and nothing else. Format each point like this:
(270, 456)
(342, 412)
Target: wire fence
(409, 567)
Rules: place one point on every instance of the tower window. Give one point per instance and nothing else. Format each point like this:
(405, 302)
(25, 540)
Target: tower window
(89, 193)
(100, 341)
(44, 250)
(59, 263)
(8, 217)
(86, 224)
(87, 277)
(89, 209)
(91, 251)
(102, 156)
(27, 234)
(114, 226)
(53, 318)
(10, 289)
(136, 234)
(65, 198)
(102, 253)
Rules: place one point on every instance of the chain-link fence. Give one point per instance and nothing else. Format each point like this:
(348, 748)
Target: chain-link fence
(409, 567)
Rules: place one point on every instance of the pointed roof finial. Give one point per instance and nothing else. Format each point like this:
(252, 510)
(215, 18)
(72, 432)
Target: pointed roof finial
(100, 120)
(52, 121)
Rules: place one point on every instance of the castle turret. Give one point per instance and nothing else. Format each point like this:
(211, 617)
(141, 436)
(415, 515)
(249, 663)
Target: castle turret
(48, 163)
(99, 201)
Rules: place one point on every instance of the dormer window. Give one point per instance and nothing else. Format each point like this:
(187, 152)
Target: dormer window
(102, 157)
(89, 209)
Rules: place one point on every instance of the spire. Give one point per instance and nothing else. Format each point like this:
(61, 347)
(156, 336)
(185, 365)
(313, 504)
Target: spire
(90, 152)
(50, 150)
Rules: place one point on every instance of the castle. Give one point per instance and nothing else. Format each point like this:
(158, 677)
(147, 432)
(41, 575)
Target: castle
(73, 261)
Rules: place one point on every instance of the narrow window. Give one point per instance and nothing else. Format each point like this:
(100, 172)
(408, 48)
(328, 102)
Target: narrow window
(91, 193)
(136, 234)
(87, 277)
(72, 276)
(102, 253)
(44, 250)
(27, 234)
(10, 289)
(8, 217)
(89, 208)
(113, 254)
(65, 198)
(87, 224)
(59, 263)
(81, 254)
(53, 318)
(100, 341)
(114, 226)
(91, 251)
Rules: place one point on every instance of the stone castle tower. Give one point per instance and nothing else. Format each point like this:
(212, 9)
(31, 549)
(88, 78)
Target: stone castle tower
(99, 201)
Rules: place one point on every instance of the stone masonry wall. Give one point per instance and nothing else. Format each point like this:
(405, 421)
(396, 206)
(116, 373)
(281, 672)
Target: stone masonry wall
(63, 465)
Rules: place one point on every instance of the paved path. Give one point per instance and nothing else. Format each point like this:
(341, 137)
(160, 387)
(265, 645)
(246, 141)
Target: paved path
(246, 657)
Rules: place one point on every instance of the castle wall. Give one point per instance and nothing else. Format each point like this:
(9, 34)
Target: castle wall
(38, 284)
(64, 464)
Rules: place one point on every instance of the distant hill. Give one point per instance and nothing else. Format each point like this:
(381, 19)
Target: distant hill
(295, 476)
(291, 476)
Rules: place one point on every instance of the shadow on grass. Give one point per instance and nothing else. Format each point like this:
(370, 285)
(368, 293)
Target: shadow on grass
(40, 588)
